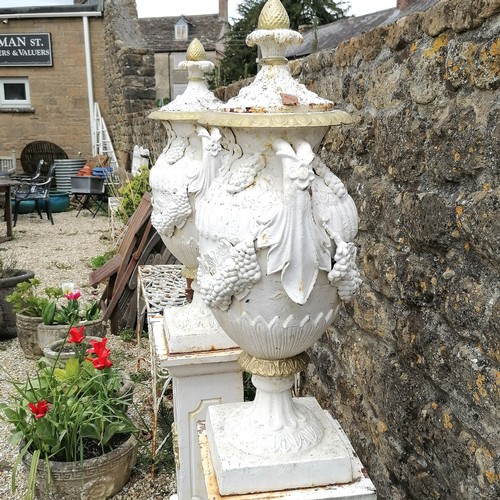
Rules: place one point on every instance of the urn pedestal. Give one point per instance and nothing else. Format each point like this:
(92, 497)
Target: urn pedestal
(277, 258)
(360, 488)
(190, 344)
(179, 179)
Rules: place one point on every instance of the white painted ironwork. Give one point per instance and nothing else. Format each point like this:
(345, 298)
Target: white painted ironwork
(160, 286)
(8, 163)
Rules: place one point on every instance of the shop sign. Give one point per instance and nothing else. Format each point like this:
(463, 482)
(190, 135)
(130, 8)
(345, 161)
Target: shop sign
(25, 49)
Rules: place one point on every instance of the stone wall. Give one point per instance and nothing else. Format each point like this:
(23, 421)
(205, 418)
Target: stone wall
(412, 366)
(130, 83)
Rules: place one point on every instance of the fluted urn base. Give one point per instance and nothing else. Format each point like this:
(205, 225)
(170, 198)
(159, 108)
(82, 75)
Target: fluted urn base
(193, 328)
(275, 442)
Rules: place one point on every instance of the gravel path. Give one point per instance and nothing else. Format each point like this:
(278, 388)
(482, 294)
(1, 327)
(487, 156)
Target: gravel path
(62, 253)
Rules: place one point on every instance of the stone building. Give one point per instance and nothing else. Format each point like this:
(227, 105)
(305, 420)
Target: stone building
(169, 37)
(52, 71)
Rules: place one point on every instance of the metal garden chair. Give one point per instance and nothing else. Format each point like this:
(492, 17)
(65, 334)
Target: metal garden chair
(37, 191)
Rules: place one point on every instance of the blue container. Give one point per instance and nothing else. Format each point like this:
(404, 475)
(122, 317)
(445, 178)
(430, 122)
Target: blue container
(59, 202)
(103, 172)
(25, 207)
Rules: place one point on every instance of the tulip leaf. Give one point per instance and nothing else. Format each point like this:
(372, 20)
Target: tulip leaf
(16, 437)
(71, 370)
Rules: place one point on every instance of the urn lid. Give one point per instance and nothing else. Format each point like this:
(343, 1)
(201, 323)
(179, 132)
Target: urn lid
(275, 98)
(197, 98)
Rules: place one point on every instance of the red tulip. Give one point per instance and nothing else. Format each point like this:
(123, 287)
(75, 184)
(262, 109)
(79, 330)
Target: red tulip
(99, 349)
(76, 335)
(74, 295)
(39, 409)
(101, 362)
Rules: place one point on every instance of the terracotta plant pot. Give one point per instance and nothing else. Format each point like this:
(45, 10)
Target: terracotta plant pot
(96, 478)
(47, 334)
(7, 315)
(27, 335)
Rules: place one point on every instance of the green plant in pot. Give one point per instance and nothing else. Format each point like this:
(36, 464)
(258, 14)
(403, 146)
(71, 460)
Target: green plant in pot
(28, 304)
(131, 194)
(10, 276)
(65, 310)
(71, 422)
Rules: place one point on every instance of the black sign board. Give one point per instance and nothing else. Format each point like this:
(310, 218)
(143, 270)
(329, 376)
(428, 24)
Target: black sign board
(25, 49)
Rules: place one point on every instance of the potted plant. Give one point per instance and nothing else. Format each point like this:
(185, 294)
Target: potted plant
(28, 305)
(65, 310)
(57, 353)
(10, 276)
(71, 423)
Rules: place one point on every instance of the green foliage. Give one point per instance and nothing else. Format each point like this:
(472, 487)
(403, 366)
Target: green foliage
(248, 388)
(127, 334)
(63, 413)
(100, 260)
(162, 101)
(240, 60)
(25, 298)
(131, 193)
(140, 376)
(130, 335)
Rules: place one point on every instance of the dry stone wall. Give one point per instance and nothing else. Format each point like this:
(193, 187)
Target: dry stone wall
(130, 83)
(412, 366)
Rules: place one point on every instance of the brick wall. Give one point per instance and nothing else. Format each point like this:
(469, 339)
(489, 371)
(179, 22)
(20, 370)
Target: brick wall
(58, 93)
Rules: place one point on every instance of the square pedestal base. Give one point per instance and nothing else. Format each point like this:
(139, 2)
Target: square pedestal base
(360, 488)
(189, 329)
(239, 472)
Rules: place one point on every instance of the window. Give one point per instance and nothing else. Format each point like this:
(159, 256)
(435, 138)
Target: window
(179, 88)
(178, 58)
(181, 29)
(14, 93)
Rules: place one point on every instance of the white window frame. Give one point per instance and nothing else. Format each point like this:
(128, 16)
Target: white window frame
(181, 31)
(15, 103)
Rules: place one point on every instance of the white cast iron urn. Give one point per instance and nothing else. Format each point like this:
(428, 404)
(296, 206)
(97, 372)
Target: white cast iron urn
(179, 179)
(276, 260)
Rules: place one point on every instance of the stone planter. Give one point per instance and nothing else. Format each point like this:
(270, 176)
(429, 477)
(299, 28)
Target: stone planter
(27, 335)
(47, 334)
(7, 315)
(96, 478)
(50, 351)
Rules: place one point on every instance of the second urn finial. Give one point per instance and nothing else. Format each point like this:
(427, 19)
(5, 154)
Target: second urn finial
(273, 16)
(195, 51)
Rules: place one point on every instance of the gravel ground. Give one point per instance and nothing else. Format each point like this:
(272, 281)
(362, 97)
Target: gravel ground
(62, 253)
